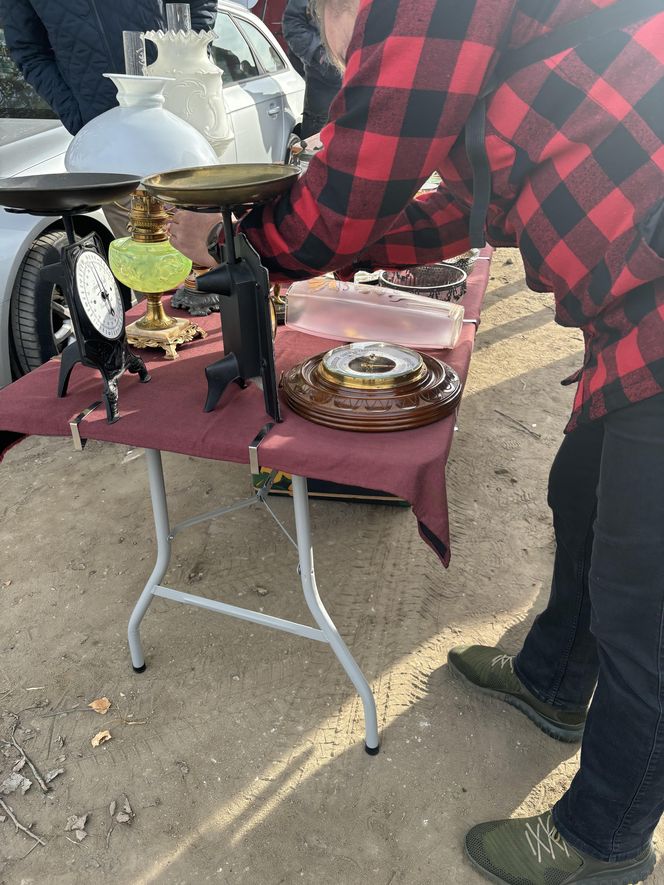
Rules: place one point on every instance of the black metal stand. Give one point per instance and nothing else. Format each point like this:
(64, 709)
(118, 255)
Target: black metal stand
(242, 282)
(219, 375)
(71, 355)
(111, 358)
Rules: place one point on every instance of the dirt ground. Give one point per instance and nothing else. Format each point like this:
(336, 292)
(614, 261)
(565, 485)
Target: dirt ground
(240, 750)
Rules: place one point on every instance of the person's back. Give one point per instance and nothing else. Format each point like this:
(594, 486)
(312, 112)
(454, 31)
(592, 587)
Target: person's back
(62, 47)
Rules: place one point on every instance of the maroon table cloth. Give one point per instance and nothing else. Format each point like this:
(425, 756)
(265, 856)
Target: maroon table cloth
(167, 414)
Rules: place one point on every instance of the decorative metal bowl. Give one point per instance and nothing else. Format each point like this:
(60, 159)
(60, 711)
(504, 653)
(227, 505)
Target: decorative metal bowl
(444, 282)
(465, 261)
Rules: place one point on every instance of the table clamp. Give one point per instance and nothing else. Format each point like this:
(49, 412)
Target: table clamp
(74, 426)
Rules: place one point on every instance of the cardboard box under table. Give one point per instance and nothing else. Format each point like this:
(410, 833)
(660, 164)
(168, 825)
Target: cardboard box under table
(167, 415)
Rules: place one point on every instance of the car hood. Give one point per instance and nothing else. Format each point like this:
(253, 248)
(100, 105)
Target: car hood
(26, 144)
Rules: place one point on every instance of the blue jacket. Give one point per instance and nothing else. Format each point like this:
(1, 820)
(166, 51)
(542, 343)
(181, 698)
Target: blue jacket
(303, 38)
(62, 47)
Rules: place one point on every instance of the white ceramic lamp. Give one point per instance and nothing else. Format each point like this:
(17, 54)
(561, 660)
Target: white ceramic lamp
(194, 89)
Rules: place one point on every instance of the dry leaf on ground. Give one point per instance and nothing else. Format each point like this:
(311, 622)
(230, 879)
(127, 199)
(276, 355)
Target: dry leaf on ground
(100, 738)
(52, 774)
(127, 814)
(101, 705)
(76, 822)
(15, 782)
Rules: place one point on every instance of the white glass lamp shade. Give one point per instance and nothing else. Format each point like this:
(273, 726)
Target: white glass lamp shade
(139, 137)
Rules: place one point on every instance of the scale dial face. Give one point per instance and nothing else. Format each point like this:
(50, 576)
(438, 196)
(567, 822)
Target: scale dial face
(372, 364)
(99, 295)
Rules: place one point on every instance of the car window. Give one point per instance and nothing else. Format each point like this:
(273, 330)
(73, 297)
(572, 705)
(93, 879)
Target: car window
(17, 99)
(231, 51)
(267, 54)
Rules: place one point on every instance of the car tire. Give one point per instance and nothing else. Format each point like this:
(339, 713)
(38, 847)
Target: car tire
(39, 317)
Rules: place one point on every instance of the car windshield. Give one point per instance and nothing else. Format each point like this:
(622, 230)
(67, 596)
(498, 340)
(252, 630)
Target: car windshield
(17, 99)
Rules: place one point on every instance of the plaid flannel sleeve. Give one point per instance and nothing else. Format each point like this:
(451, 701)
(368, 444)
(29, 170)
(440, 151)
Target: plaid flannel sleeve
(414, 72)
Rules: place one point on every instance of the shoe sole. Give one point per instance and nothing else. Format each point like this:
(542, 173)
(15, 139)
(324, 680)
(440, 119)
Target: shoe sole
(630, 877)
(558, 733)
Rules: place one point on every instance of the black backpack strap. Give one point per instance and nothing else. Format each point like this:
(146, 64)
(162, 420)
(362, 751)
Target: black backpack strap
(479, 161)
(611, 18)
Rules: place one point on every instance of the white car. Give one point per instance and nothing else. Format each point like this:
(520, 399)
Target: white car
(264, 97)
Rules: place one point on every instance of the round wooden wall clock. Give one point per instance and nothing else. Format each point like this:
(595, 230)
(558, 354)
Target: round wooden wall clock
(372, 387)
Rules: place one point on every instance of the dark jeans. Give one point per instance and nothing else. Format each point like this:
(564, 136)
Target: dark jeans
(604, 627)
(318, 97)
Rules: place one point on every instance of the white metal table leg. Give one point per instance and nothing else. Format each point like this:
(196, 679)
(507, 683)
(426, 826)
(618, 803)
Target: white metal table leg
(322, 618)
(327, 631)
(162, 530)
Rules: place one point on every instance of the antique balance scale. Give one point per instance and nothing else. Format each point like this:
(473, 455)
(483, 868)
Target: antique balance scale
(240, 280)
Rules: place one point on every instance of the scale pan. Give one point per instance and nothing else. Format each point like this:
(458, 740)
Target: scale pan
(227, 185)
(64, 191)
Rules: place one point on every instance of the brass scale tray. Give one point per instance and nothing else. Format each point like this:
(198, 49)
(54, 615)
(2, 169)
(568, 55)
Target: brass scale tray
(364, 386)
(240, 280)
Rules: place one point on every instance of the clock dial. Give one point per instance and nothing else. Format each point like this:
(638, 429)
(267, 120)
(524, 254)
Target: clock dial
(99, 295)
(375, 364)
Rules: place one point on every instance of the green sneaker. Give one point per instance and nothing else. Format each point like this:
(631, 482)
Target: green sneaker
(531, 851)
(491, 671)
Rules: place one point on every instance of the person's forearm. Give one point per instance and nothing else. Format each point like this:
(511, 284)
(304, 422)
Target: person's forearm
(431, 228)
(386, 137)
(30, 50)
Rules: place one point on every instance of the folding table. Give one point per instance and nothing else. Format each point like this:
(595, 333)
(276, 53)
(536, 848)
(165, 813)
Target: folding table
(167, 415)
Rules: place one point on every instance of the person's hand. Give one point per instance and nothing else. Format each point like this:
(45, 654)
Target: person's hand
(188, 233)
(313, 143)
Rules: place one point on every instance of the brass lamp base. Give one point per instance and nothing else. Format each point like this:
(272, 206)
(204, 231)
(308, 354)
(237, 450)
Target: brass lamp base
(157, 329)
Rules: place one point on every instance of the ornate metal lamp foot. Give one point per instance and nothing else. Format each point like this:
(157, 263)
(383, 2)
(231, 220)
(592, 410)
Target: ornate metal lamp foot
(157, 329)
(199, 304)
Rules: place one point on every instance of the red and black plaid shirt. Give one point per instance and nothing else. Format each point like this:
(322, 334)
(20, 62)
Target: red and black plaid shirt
(576, 150)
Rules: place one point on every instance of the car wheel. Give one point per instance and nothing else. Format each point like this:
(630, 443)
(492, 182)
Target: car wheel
(41, 326)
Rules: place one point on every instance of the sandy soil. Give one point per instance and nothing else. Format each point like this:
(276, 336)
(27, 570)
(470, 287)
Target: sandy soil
(240, 750)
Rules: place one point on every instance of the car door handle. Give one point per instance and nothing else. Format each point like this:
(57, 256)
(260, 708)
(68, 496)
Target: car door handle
(274, 110)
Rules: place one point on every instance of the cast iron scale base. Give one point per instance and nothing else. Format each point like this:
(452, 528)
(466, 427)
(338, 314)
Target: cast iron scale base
(67, 195)
(240, 280)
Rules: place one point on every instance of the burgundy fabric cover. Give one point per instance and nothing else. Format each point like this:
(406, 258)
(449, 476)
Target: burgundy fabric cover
(167, 414)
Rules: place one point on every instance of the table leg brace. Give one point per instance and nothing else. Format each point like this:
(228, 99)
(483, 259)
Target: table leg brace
(327, 632)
